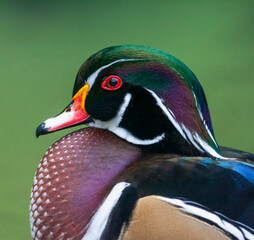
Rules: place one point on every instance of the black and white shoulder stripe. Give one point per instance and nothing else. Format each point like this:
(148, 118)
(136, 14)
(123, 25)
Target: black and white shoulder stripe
(118, 206)
(234, 229)
(115, 210)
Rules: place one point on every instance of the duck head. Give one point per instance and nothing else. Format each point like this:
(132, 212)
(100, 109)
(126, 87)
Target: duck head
(144, 96)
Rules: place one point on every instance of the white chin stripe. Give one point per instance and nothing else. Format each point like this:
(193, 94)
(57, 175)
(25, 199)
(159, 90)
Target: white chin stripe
(123, 133)
(126, 135)
(91, 79)
(236, 229)
(113, 126)
(99, 220)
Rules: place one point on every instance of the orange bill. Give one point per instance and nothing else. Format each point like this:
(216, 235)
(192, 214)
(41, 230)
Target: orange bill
(73, 114)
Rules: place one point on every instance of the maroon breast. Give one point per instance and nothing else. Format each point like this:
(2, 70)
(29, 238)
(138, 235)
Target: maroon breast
(72, 179)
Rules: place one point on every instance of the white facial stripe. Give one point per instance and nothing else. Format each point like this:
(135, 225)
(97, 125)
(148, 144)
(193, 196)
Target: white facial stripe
(190, 137)
(113, 126)
(207, 147)
(168, 113)
(203, 121)
(240, 231)
(91, 79)
(114, 122)
(123, 133)
(100, 218)
(186, 134)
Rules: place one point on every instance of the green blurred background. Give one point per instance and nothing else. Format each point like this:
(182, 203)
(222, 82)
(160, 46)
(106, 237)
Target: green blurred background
(43, 43)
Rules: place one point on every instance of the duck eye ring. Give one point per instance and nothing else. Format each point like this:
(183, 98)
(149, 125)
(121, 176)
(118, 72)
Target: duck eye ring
(112, 83)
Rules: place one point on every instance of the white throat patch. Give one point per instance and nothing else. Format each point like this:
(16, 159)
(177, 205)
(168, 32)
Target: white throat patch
(113, 126)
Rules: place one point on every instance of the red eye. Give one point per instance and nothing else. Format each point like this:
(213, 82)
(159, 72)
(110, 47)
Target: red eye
(112, 83)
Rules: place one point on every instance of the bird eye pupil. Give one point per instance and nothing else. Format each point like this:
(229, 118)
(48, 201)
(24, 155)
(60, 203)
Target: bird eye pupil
(113, 82)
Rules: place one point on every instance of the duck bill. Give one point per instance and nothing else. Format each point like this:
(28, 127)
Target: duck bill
(74, 114)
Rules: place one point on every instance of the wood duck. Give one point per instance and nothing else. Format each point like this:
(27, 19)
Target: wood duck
(148, 167)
